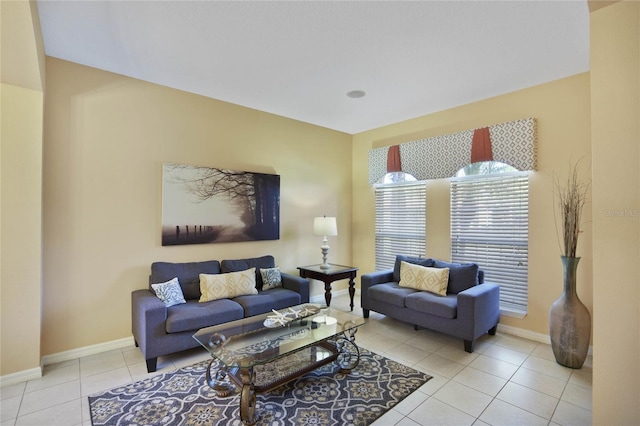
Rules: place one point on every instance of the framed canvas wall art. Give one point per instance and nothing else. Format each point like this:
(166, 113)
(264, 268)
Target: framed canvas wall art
(209, 205)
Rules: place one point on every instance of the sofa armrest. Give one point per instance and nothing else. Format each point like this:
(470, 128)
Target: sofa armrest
(297, 284)
(148, 318)
(369, 280)
(479, 309)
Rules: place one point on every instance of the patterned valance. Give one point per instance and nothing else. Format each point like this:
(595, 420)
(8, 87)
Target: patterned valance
(513, 143)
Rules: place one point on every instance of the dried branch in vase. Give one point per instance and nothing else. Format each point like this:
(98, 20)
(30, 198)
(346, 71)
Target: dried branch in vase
(572, 196)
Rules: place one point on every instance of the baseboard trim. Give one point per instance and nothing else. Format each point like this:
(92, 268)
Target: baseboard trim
(87, 350)
(527, 334)
(36, 373)
(20, 377)
(319, 298)
(530, 335)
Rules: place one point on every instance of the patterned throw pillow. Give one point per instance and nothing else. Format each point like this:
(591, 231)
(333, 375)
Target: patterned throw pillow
(169, 292)
(271, 278)
(424, 278)
(227, 286)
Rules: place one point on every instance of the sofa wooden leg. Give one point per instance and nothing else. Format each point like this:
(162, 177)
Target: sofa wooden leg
(468, 345)
(365, 313)
(152, 364)
(492, 330)
(415, 327)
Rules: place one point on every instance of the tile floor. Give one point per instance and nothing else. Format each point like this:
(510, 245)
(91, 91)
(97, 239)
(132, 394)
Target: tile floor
(506, 381)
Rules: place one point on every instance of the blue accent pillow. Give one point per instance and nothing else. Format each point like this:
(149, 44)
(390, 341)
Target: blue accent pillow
(271, 278)
(169, 292)
(462, 276)
(428, 262)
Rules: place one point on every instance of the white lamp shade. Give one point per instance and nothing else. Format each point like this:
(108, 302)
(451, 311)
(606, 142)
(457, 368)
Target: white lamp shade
(325, 226)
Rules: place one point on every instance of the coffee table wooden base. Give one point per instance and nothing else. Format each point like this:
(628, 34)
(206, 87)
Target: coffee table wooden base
(219, 383)
(247, 397)
(342, 350)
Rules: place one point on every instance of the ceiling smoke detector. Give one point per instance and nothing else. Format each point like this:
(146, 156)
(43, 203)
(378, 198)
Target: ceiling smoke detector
(356, 94)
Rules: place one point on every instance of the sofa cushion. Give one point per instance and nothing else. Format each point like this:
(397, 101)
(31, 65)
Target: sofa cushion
(169, 292)
(390, 293)
(266, 300)
(227, 286)
(188, 275)
(462, 276)
(429, 303)
(271, 278)
(244, 264)
(413, 260)
(193, 315)
(424, 278)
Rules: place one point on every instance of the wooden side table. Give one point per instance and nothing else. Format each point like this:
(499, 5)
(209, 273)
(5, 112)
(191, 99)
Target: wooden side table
(327, 276)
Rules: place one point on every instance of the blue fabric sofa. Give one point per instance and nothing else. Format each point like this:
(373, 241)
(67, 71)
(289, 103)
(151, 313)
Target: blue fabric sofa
(470, 308)
(159, 330)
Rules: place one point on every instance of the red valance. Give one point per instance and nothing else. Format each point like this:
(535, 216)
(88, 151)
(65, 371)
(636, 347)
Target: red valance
(481, 146)
(393, 159)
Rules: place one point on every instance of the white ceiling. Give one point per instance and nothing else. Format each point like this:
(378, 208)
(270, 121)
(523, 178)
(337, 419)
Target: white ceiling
(298, 59)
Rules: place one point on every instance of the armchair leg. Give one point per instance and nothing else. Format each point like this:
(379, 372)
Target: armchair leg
(152, 364)
(492, 330)
(365, 313)
(468, 345)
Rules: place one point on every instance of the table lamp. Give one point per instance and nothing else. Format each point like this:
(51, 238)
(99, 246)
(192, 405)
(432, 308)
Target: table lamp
(325, 226)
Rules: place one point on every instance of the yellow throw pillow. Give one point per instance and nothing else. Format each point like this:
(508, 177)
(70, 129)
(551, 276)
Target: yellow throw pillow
(227, 286)
(424, 278)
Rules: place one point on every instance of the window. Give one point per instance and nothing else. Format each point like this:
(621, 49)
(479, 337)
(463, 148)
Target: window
(400, 222)
(490, 226)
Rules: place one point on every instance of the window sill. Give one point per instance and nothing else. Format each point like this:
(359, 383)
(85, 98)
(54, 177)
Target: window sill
(512, 313)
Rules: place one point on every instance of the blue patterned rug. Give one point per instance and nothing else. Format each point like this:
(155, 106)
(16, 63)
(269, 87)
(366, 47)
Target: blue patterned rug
(322, 397)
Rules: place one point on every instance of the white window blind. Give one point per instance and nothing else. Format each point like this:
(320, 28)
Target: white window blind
(400, 222)
(490, 226)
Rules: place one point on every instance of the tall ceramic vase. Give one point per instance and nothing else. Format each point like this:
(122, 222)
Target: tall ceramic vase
(570, 321)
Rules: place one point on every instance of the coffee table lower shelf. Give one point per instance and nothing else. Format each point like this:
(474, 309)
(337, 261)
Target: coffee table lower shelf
(262, 378)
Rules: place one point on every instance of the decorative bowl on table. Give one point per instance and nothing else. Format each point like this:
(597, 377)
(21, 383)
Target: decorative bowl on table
(273, 322)
(284, 316)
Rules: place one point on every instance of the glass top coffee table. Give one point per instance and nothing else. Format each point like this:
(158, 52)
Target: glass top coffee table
(262, 352)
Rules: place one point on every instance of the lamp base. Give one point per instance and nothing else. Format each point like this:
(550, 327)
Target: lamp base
(324, 248)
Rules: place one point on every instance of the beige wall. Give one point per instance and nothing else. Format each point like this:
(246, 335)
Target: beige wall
(562, 110)
(22, 47)
(21, 230)
(21, 105)
(106, 137)
(615, 94)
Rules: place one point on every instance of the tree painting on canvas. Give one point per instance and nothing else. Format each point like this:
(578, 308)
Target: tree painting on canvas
(209, 205)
